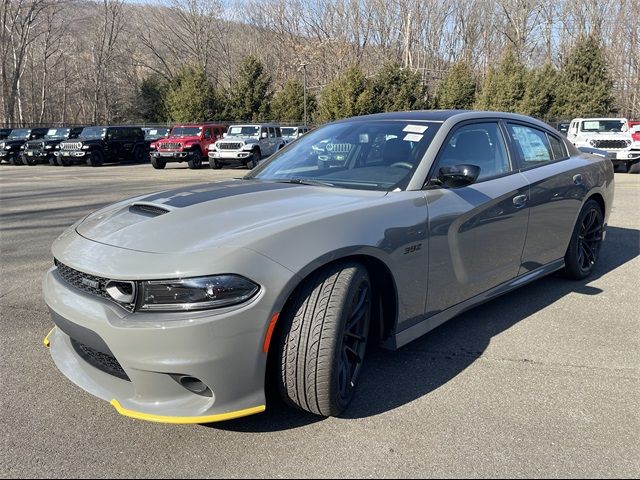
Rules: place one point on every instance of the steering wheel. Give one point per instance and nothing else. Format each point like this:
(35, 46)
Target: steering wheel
(406, 165)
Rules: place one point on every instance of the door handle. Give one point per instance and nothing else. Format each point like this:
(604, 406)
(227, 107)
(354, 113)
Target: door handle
(520, 201)
(578, 180)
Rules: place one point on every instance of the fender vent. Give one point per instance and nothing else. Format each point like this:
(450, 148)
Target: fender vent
(148, 210)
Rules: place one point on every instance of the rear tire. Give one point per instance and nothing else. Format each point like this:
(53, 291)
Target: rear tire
(584, 247)
(157, 163)
(324, 330)
(634, 167)
(53, 161)
(138, 155)
(214, 164)
(15, 161)
(96, 158)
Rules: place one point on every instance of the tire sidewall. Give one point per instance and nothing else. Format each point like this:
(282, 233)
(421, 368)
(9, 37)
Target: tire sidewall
(572, 266)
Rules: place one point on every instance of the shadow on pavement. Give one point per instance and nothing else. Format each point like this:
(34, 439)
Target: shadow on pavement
(393, 379)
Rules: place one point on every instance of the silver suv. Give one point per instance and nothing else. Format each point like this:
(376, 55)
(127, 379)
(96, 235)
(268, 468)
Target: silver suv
(246, 145)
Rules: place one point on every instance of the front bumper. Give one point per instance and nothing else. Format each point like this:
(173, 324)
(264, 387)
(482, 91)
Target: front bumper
(171, 156)
(223, 349)
(231, 155)
(39, 155)
(71, 153)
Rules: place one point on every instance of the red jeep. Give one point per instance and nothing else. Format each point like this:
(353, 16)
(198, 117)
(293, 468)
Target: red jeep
(635, 131)
(188, 143)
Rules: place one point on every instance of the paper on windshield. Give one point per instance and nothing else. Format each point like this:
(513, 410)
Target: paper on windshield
(415, 128)
(413, 137)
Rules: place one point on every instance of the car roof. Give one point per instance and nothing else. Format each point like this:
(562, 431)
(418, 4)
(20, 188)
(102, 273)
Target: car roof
(442, 116)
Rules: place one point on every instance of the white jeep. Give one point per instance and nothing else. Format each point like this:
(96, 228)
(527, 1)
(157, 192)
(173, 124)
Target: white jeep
(610, 135)
(246, 145)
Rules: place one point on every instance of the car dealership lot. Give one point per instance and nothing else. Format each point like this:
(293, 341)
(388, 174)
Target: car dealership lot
(541, 382)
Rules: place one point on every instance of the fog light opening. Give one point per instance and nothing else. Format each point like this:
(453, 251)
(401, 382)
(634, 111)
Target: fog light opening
(195, 385)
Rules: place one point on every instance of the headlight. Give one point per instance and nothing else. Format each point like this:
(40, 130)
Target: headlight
(196, 293)
(628, 142)
(592, 143)
(212, 146)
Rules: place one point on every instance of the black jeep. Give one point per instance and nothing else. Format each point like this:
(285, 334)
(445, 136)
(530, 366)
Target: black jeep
(42, 150)
(97, 145)
(11, 148)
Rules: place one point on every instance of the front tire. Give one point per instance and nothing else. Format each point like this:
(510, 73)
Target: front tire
(584, 247)
(29, 161)
(53, 161)
(634, 167)
(195, 161)
(324, 333)
(255, 159)
(157, 163)
(96, 158)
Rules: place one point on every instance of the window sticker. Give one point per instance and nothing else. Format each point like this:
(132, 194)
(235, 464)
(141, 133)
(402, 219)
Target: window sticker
(415, 129)
(412, 137)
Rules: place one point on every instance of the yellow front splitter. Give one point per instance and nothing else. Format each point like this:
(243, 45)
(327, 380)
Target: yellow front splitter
(186, 420)
(46, 342)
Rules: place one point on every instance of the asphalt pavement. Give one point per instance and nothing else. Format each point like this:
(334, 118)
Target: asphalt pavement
(542, 382)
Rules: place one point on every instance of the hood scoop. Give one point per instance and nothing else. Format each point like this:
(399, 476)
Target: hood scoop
(148, 209)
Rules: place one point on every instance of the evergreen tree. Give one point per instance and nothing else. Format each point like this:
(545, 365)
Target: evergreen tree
(347, 96)
(585, 87)
(503, 89)
(396, 89)
(149, 102)
(249, 99)
(457, 90)
(288, 103)
(191, 97)
(540, 92)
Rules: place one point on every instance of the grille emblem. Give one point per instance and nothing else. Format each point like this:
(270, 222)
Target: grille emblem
(90, 283)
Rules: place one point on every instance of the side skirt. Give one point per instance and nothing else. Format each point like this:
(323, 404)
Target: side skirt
(428, 324)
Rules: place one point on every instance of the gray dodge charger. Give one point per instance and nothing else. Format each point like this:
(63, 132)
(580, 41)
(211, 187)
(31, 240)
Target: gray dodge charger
(180, 306)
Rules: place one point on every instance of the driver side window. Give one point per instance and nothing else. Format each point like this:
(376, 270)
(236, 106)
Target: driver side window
(480, 144)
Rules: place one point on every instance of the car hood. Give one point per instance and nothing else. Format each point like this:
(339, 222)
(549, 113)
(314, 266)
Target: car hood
(202, 217)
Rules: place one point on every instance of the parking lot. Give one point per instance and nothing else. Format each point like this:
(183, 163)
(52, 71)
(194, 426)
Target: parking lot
(542, 382)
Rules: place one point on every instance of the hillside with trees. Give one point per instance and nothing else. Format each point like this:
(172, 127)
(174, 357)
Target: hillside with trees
(77, 61)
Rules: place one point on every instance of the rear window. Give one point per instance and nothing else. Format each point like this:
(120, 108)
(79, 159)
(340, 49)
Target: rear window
(532, 145)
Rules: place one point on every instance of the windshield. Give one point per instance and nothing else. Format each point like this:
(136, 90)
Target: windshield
(156, 133)
(604, 126)
(186, 131)
(19, 134)
(93, 132)
(243, 131)
(369, 155)
(57, 133)
(288, 131)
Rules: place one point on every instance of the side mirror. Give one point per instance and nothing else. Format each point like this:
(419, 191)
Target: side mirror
(264, 135)
(224, 135)
(458, 175)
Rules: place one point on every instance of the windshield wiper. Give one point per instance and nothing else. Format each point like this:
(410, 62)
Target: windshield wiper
(306, 181)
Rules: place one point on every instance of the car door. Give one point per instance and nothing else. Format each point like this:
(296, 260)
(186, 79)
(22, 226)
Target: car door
(272, 140)
(557, 190)
(476, 232)
(264, 142)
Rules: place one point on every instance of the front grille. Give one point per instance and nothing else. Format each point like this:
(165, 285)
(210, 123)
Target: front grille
(71, 146)
(229, 146)
(102, 361)
(338, 147)
(610, 144)
(34, 145)
(83, 281)
(169, 146)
